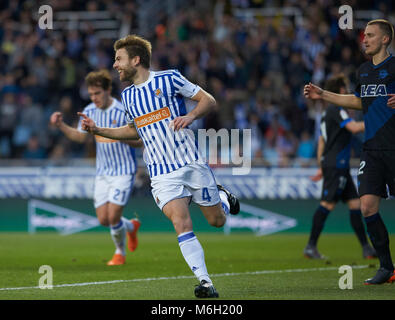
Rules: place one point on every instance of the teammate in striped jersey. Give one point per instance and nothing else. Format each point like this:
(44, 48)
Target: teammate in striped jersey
(155, 109)
(115, 162)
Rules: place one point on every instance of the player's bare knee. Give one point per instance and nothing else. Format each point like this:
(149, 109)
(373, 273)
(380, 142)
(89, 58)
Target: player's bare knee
(369, 205)
(367, 210)
(354, 204)
(328, 205)
(114, 214)
(181, 225)
(114, 220)
(217, 220)
(103, 221)
(221, 221)
(114, 217)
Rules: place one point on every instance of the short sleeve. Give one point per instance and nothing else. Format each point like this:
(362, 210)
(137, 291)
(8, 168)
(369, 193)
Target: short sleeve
(183, 86)
(343, 118)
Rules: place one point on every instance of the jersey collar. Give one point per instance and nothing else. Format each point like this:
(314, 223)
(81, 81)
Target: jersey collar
(382, 62)
(110, 106)
(150, 77)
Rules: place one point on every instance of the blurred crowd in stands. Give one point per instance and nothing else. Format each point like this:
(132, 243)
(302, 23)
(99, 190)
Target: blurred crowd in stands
(255, 68)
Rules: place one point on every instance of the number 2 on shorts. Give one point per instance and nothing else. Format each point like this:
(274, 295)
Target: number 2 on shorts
(361, 166)
(205, 195)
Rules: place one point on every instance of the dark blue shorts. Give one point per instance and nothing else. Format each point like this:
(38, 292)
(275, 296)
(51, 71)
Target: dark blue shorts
(338, 185)
(376, 173)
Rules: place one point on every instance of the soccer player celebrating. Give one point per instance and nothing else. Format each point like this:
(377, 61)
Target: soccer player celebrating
(155, 109)
(375, 96)
(115, 163)
(333, 156)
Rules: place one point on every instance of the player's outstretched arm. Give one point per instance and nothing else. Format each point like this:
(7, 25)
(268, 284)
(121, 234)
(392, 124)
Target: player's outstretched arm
(349, 101)
(355, 126)
(121, 133)
(206, 103)
(56, 120)
(134, 143)
(320, 151)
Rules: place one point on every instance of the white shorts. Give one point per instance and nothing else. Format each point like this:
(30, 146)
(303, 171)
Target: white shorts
(114, 189)
(193, 180)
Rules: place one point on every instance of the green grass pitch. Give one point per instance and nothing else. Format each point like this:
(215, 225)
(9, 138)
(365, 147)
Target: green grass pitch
(242, 265)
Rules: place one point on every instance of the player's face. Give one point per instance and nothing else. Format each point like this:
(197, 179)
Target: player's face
(124, 65)
(373, 40)
(99, 96)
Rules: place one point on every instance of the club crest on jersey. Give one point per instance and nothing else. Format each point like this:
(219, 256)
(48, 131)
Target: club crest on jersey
(373, 90)
(383, 73)
(114, 122)
(158, 93)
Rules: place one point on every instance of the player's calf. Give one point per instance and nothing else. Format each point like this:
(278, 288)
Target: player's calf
(214, 215)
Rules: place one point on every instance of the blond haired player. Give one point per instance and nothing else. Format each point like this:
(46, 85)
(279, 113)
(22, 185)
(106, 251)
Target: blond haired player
(156, 112)
(375, 96)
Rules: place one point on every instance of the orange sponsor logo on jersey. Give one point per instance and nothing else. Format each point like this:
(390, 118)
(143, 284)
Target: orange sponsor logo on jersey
(152, 117)
(104, 139)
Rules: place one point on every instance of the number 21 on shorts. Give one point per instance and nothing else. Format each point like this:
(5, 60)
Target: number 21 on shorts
(118, 194)
(206, 195)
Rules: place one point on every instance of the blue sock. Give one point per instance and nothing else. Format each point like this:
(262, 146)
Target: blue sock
(378, 234)
(319, 219)
(358, 227)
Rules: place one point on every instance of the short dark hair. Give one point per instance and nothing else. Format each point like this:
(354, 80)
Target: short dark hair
(385, 26)
(136, 46)
(335, 83)
(101, 78)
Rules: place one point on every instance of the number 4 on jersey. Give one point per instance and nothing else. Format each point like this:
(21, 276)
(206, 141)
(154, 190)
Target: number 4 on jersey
(205, 195)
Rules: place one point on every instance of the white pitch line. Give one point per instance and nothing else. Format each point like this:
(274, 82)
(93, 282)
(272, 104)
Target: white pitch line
(81, 284)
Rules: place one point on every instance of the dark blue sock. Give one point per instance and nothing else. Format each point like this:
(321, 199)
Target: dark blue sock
(378, 234)
(319, 219)
(358, 227)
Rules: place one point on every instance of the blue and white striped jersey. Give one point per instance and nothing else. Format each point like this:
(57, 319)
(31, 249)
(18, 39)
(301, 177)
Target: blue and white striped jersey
(151, 106)
(113, 158)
